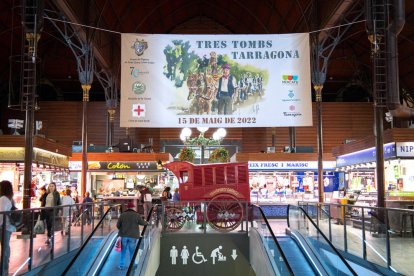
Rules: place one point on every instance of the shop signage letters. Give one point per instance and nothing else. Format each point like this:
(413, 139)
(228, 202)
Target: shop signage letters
(289, 165)
(364, 156)
(117, 166)
(114, 166)
(405, 149)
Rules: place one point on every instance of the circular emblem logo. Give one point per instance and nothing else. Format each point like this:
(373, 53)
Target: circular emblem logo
(138, 87)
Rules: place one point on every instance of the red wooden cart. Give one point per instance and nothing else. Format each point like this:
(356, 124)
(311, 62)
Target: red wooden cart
(224, 186)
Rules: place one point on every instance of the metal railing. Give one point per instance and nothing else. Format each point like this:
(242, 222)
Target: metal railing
(74, 264)
(28, 249)
(144, 243)
(372, 233)
(278, 258)
(332, 261)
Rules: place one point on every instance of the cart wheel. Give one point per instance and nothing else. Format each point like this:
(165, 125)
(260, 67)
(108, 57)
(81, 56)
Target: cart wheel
(224, 213)
(175, 218)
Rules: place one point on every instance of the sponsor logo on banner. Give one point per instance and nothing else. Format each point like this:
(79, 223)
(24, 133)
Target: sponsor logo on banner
(140, 47)
(291, 96)
(290, 79)
(138, 87)
(138, 110)
(136, 72)
(292, 112)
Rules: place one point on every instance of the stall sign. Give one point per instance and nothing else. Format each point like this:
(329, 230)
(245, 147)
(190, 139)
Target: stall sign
(49, 158)
(364, 156)
(13, 154)
(122, 166)
(75, 165)
(405, 149)
(289, 165)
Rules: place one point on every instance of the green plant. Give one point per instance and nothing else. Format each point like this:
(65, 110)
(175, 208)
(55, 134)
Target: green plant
(219, 155)
(186, 154)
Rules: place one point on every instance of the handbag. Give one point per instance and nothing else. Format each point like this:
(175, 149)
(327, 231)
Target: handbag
(15, 217)
(118, 244)
(39, 227)
(58, 223)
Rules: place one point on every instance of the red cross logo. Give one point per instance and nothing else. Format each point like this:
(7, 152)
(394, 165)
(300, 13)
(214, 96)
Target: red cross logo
(138, 110)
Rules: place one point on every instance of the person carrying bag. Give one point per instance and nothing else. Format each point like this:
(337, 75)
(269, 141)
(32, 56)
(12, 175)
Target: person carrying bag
(39, 227)
(118, 244)
(129, 232)
(16, 218)
(6, 204)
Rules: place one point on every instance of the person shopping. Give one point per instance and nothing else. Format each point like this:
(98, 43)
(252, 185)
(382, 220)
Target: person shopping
(146, 199)
(128, 226)
(50, 199)
(6, 203)
(67, 213)
(166, 194)
(87, 200)
(176, 195)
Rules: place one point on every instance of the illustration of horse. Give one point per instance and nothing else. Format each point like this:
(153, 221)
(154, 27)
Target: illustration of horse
(202, 92)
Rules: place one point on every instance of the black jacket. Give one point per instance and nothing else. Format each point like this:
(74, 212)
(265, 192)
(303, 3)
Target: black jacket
(128, 224)
(56, 202)
(56, 199)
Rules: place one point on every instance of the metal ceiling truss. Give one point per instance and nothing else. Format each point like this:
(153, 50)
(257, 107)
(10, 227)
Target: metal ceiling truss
(325, 42)
(81, 49)
(110, 86)
(303, 13)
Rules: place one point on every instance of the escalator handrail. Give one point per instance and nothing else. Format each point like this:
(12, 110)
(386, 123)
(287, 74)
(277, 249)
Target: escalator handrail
(88, 239)
(323, 235)
(131, 265)
(318, 205)
(279, 248)
(323, 210)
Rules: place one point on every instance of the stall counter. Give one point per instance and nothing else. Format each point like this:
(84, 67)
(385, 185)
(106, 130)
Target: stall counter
(123, 200)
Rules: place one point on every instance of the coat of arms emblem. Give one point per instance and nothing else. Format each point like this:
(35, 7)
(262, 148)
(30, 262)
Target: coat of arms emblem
(140, 47)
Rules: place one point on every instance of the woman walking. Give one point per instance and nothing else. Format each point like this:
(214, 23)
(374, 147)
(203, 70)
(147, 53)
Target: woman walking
(6, 203)
(50, 199)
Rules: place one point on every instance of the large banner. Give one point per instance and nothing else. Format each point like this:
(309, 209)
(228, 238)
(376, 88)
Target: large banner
(215, 80)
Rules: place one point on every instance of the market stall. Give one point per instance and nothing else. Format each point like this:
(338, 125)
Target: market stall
(49, 164)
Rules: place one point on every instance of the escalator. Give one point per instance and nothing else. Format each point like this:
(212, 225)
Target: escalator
(300, 264)
(366, 256)
(324, 257)
(295, 253)
(98, 257)
(90, 257)
(301, 250)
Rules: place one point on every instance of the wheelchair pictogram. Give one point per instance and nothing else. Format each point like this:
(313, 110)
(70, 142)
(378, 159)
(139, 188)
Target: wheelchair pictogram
(199, 256)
